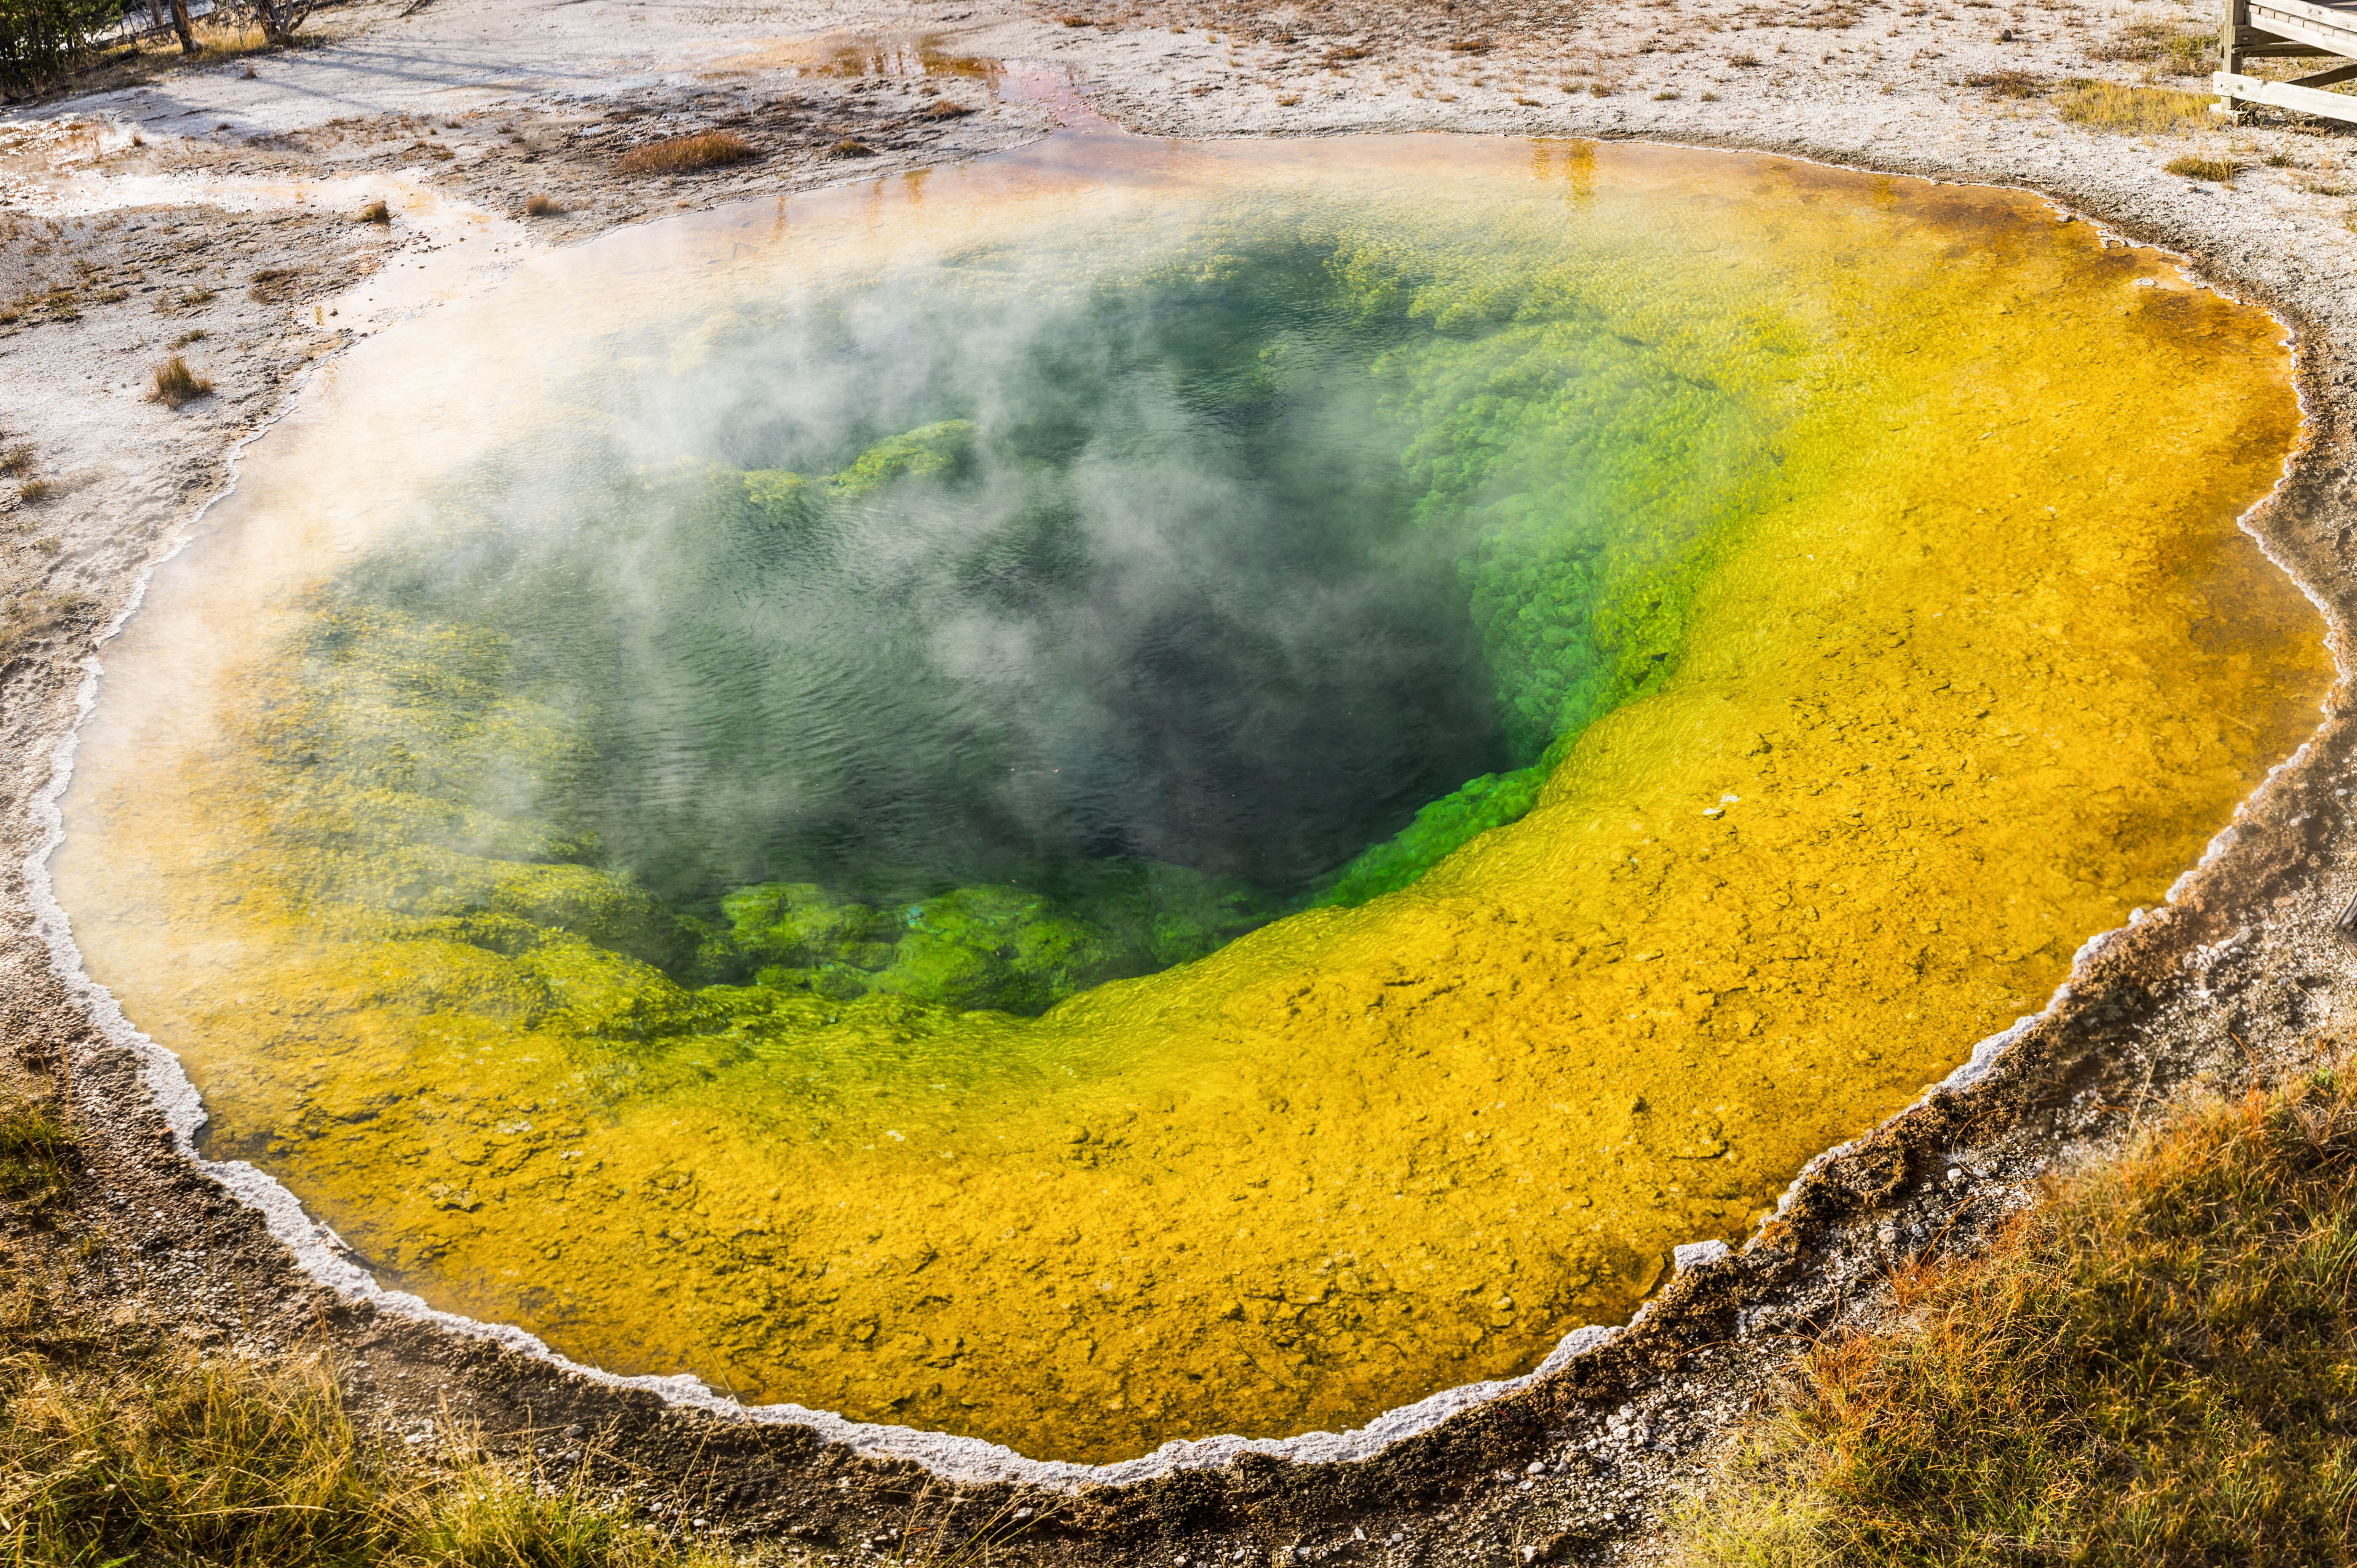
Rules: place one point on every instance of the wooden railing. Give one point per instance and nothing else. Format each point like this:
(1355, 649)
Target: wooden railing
(2287, 29)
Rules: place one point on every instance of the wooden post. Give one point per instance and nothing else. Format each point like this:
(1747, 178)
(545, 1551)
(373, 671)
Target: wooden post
(2235, 16)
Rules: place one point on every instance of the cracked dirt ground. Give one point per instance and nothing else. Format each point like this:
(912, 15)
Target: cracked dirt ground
(216, 213)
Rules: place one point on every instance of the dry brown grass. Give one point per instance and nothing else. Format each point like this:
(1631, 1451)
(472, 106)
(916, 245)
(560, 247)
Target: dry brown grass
(120, 1443)
(2177, 50)
(16, 461)
(685, 155)
(848, 149)
(2158, 1365)
(2144, 111)
(176, 384)
(270, 285)
(33, 493)
(376, 212)
(2219, 169)
(2008, 84)
(36, 1152)
(228, 36)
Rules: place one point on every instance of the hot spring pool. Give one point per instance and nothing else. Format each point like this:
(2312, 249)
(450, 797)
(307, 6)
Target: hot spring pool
(1143, 791)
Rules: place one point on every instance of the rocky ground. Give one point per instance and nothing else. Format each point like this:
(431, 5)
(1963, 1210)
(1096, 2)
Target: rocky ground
(215, 209)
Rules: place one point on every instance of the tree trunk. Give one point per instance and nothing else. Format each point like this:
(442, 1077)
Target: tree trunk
(180, 26)
(280, 18)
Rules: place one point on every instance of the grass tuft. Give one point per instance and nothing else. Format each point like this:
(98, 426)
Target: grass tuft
(849, 148)
(226, 34)
(2147, 111)
(121, 1444)
(684, 155)
(2157, 1365)
(2007, 84)
(36, 1153)
(2180, 51)
(376, 212)
(2219, 169)
(542, 206)
(112, 1455)
(176, 384)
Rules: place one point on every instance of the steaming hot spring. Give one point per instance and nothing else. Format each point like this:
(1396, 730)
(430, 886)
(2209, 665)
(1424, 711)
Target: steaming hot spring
(1147, 790)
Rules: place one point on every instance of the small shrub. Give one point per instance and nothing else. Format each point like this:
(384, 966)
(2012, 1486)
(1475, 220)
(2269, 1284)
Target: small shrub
(1666, 95)
(1744, 59)
(848, 149)
(2278, 160)
(1599, 90)
(540, 207)
(1710, 98)
(185, 338)
(33, 493)
(2148, 111)
(945, 109)
(434, 150)
(376, 212)
(2219, 169)
(176, 384)
(40, 39)
(35, 1151)
(16, 461)
(685, 154)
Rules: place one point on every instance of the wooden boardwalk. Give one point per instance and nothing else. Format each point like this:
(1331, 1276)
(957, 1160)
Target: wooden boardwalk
(2287, 29)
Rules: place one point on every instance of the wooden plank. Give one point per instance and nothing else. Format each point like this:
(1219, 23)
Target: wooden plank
(2232, 89)
(2257, 45)
(2305, 24)
(2329, 17)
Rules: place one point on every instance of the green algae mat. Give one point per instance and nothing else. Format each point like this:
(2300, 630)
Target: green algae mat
(1146, 791)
